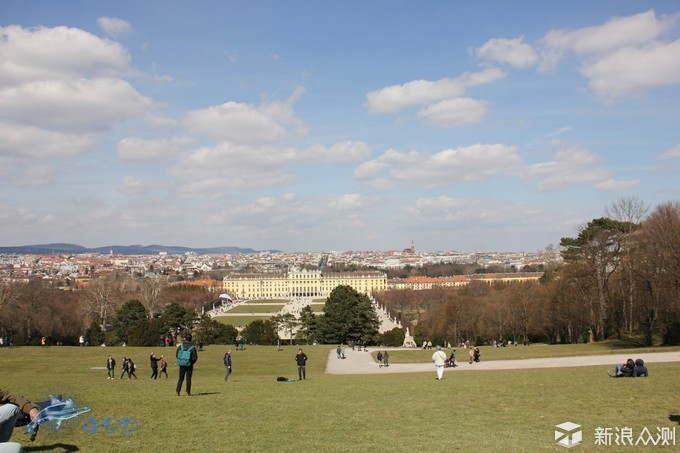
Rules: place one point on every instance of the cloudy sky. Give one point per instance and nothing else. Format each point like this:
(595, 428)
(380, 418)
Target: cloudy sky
(307, 125)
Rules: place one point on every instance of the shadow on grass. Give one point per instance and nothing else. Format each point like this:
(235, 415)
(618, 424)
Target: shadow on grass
(674, 418)
(53, 447)
(205, 393)
(626, 342)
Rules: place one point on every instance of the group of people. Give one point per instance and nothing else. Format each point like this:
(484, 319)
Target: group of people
(383, 358)
(631, 368)
(358, 344)
(451, 361)
(129, 367)
(474, 354)
(165, 341)
(6, 342)
(340, 352)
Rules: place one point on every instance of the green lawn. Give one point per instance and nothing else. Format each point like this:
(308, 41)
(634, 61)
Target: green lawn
(257, 308)
(267, 301)
(419, 355)
(468, 411)
(240, 320)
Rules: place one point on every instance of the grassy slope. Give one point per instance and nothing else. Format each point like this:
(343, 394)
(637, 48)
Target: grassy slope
(256, 308)
(467, 411)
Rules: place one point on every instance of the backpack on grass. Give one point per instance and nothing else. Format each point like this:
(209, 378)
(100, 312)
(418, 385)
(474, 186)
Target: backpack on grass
(184, 355)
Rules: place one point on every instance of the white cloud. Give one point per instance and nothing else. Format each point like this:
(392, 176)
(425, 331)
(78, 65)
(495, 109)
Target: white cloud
(671, 153)
(623, 56)
(514, 52)
(469, 220)
(59, 53)
(572, 165)
(60, 88)
(114, 27)
(78, 106)
(236, 122)
(12, 217)
(632, 70)
(135, 186)
(161, 122)
(395, 98)
(347, 151)
(134, 149)
(612, 184)
(617, 33)
(454, 112)
(38, 175)
(27, 142)
(248, 124)
(228, 166)
(447, 167)
(346, 202)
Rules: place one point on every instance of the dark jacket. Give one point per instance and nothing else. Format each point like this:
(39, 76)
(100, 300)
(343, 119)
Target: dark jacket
(111, 365)
(301, 359)
(194, 352)
(154, 361)
(640, 369)
(227, 359)
(25, 406)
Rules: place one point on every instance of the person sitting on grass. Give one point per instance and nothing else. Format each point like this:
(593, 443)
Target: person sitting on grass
(640, 370)
(10, 406)
(623, 370)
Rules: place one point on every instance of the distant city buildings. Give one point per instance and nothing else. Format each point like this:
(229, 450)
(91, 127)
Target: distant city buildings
(73, 270)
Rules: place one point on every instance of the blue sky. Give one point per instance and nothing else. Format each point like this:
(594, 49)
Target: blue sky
(303, 125)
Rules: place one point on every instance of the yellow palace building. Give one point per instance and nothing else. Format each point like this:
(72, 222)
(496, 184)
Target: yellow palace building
(300, 283)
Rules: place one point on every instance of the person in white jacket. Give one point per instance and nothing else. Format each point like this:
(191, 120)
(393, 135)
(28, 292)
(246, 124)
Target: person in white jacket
(439, 359)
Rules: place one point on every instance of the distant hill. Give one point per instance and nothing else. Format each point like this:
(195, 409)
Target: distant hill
(60, 248)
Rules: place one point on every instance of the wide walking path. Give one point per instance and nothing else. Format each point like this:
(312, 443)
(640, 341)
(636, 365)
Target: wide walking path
(360, 362)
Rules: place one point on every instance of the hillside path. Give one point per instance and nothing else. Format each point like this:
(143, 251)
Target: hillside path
(360, 362)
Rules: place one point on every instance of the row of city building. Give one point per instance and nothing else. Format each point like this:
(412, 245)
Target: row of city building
(314, 283)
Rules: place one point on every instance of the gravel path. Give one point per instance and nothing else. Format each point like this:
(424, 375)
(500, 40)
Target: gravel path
(360, 362)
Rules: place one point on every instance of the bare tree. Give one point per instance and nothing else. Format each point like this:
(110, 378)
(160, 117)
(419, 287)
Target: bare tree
(629, 211)
(101, 301)
(659, 268)
(150, 291)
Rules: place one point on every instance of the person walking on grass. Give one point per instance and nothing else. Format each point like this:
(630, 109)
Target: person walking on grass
(227, 365)
(186, 357)
(111, 367)
(132, 367)
(301, 361)
(386, 358)
(439, 359)
(154, 366)
(126, 367)
(164, 366)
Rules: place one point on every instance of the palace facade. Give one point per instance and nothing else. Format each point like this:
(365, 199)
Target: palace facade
(300, 283)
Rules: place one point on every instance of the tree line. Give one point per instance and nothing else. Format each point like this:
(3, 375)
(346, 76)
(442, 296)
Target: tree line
(620, 276)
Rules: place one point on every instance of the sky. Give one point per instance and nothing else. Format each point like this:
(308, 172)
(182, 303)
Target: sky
(322, 126)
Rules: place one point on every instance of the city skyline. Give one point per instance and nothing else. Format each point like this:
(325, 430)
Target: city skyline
(302, 126)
